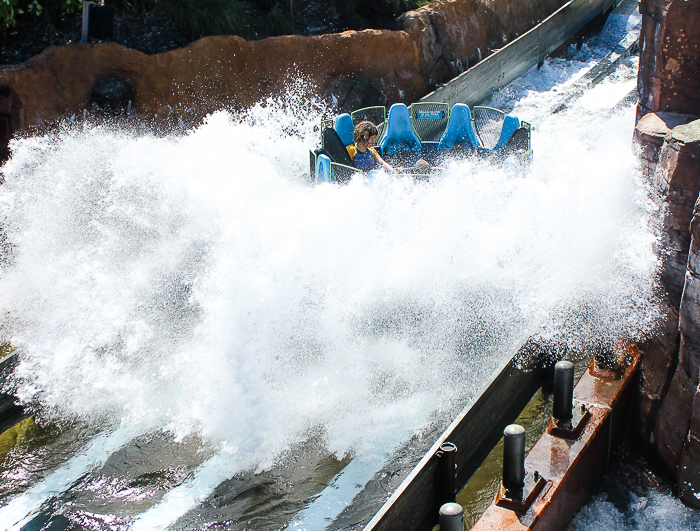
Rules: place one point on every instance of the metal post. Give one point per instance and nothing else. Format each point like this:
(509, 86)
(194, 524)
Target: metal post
(86, 18)
(514, 457)
(451, 517)
(448, 472)
(563, 390)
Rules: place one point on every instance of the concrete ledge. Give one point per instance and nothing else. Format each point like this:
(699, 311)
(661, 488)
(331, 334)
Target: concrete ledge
(573, 468)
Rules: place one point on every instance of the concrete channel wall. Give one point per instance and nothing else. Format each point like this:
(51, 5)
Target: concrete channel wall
(513, 60)
(414, 504)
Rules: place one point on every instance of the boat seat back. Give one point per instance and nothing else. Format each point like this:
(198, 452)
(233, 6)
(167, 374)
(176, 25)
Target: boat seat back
(400, 145)
(323, 169)
(460, 134)
(333, 144)
(342, 174)
(345, 128)
(429, 120)
(376, 115)
(510, 125)
(518, 143)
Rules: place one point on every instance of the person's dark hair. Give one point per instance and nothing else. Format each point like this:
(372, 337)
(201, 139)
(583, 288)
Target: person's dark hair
(364, 131)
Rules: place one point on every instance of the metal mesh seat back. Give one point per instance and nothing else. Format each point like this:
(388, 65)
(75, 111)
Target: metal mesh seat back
(376, 115)
(345, 128)
(510, 125)
(342, 174)
(460, 131)
(518, 142)
(429, 120)
(335, 147)
(400, 145)
(488, 123)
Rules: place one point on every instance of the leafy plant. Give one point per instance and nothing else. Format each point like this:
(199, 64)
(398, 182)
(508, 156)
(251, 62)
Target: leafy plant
(197, 18)
(71, 6)
(8, 11)
(276, 20)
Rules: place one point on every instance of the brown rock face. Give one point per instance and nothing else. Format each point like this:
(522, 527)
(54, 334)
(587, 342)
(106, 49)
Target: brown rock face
(454, 35)
(676, 183)
(353, 69)
(669, 99)
(689, 466)
(677, 179)
(669, 66)
(212, 72)
(649, 135)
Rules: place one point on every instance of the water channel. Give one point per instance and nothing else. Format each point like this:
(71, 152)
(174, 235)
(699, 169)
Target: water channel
(209, 341)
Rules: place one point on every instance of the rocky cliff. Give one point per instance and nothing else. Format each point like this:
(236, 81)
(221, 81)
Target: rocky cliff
(353, 68)
(668, 134)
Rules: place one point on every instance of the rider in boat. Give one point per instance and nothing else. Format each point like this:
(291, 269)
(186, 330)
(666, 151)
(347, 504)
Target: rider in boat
(362, 153)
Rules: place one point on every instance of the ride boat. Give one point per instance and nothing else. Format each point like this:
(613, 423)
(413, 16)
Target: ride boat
(425, 130)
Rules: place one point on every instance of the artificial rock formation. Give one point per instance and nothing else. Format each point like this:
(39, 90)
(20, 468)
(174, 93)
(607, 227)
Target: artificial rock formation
(674, 189)
(688, 371)
(669, 137)
(449, 47)
(353, 68)
(670, 372)
(669, 66)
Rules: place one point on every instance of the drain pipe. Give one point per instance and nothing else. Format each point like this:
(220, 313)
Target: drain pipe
(514, 457)
(563, 391)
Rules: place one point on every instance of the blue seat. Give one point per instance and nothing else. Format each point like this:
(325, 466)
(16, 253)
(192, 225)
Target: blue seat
(510, 125)
(323, 169)
(400, 145)
(345, 128)
(460, 129)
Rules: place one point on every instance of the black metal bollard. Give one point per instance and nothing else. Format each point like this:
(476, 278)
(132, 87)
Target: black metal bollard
(514, 457)
(563, 391)
(451, 517)
(447, 455)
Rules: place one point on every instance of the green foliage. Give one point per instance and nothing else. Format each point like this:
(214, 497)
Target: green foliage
(8, 11)
(71, 6)
(197, 18)
(35, 8)
(276, 20)
(11, 9)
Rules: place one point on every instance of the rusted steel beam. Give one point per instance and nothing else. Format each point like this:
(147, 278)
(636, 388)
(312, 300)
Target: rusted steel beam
(573, 468)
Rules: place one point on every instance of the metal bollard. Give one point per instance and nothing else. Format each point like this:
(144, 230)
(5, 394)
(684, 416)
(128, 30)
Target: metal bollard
(86, 18)
(563, 390)
(514, 457)
(448, 472)
(451, 517)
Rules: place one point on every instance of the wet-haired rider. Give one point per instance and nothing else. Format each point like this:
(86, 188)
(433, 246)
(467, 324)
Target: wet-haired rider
(364, 156)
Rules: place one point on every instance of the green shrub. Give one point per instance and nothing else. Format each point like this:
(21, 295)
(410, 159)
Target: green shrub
(11, 9)
(8, 11)
(276, 20)
(197, 18)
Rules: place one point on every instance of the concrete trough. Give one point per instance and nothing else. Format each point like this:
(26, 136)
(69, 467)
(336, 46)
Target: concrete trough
(416, 502)
(573, 468)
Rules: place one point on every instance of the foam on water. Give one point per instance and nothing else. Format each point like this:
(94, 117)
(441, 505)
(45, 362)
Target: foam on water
(197, 284)
(655, 511)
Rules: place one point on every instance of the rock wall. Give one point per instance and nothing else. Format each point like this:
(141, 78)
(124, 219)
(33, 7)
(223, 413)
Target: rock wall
(669, 66)
(454, 35)
(353, 68)
(668, 134)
